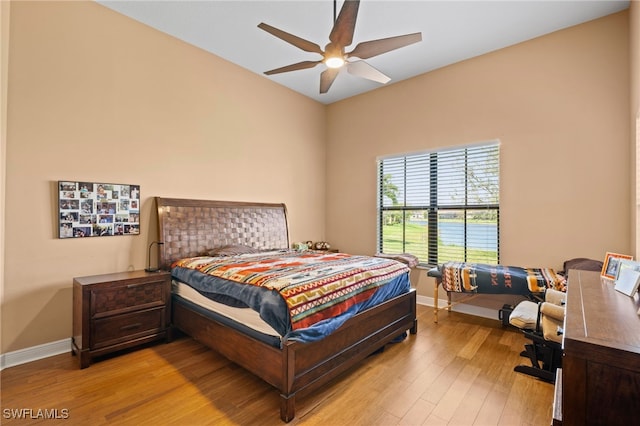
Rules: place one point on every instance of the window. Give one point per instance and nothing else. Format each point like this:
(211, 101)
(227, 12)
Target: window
(441, 205)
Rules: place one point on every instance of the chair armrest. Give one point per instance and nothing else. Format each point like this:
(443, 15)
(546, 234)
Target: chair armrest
(551, 329)
(554, 296)
(552, 310)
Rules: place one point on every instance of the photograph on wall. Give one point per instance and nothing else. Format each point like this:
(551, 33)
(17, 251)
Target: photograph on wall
(92, 209)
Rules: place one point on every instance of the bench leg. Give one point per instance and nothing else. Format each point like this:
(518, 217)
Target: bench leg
(435, 301)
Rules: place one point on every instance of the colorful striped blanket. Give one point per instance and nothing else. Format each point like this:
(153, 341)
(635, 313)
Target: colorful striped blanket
(499, 279)
(314, 285)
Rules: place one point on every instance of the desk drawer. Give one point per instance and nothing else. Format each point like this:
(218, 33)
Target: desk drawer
(134, 295)
(119, 328)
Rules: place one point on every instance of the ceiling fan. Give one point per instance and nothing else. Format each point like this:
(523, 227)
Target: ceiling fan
(334, 56)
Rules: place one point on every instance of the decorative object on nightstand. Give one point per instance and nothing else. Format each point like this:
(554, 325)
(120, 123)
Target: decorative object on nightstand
(149, 268)
(300, 246)
(322, 245)
(119, 311)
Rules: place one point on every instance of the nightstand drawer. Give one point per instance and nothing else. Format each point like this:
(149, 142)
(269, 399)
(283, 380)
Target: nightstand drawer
(113, 330)
(117, 311)
(134, 295)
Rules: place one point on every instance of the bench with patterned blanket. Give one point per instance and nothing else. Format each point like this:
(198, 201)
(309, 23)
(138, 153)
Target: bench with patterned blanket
(476, 278)
(499, 279)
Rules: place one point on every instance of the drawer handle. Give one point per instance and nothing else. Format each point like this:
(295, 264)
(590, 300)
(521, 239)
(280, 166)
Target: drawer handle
(131, 326)
(136, 285)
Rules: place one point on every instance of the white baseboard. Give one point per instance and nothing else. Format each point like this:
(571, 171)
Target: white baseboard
(34, 353)
(46, 350)
(478, 311)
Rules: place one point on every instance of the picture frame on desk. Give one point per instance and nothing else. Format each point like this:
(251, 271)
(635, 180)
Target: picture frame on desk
(627, 264)
(628, 277)
(612, 264)
(628, 281)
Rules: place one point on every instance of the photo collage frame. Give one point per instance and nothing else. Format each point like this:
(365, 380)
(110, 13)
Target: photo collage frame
(91, 209)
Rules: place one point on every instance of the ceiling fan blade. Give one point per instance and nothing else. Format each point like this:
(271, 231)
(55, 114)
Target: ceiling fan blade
(294, 67)
(327, 77)
(342, 32)
(364, 70)
(300, 43)
(369, 49)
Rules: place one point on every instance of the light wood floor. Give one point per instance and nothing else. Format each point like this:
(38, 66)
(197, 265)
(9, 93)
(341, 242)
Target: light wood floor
(457, 372)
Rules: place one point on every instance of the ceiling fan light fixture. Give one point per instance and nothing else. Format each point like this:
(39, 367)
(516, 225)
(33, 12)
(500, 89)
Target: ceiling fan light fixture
(334, 56)
(334, 62)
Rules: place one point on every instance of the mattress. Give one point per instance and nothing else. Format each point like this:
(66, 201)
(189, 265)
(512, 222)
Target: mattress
(245, 316)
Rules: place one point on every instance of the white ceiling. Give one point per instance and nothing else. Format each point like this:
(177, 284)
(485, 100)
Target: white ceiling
(452, 31)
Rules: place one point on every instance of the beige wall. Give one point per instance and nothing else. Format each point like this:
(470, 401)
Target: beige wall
(96, 96)
(559, 105)
(634, 54)
(5, 8)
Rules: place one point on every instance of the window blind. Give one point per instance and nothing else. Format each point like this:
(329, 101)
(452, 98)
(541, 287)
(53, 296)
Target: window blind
(441, 205)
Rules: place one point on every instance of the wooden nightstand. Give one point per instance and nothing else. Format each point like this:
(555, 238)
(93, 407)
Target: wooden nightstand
(117, 311)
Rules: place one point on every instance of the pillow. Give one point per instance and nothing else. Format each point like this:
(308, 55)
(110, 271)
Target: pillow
(231, 250)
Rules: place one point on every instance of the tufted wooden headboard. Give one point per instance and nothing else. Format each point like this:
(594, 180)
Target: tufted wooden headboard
(191, 227)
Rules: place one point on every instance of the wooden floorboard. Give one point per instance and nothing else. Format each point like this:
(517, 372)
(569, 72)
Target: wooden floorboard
(456, 372)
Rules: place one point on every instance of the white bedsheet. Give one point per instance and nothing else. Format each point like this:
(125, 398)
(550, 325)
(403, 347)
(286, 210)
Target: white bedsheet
(246, 316)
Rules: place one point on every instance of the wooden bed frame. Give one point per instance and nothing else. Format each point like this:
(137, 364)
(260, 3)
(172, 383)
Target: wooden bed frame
(190, 227)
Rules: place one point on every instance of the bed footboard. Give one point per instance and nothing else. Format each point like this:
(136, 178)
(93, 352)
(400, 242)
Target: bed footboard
(313, 364)
(299, 368)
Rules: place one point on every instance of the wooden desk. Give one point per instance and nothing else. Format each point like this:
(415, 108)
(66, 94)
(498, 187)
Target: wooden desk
(601, 365)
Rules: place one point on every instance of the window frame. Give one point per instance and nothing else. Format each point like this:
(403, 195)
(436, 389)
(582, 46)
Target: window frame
(433, 207)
